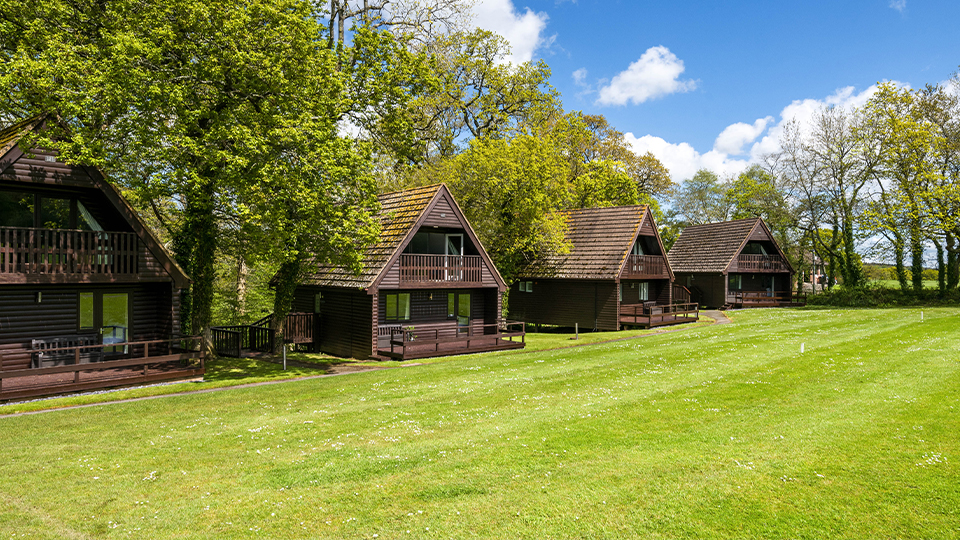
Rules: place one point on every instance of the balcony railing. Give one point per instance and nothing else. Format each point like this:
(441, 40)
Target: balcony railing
(645, 266)
(62, 251)
(417, 268)
(761, 263)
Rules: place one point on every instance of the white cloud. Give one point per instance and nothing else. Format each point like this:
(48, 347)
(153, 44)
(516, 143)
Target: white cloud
(579, 76)
(732, 139)
(524, 30)
(727, 156)
(898, 5)
(655, 74)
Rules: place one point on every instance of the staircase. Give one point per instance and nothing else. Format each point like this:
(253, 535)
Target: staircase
(258, 337)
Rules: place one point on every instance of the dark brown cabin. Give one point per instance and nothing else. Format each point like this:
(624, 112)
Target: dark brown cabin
(615, 275)
(79, 271)
(427, 288)
(733, 264)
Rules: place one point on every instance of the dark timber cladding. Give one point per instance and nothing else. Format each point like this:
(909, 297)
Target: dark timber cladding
(77, 265)
(733, 263)
(427, 280)
(616, 262)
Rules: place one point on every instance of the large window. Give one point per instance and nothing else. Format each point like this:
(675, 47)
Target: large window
(28, 210)
(398, 307)
(736, 283)
(16, 209)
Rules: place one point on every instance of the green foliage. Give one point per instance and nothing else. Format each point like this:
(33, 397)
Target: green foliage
(879, 295)
(701, 199)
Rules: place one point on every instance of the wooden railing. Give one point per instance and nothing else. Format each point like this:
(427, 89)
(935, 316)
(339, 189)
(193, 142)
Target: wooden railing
(681, 294)
(259, 337)
(654, 315)
(761, 263)
(63, 251)
(417, 268)
(766, 298)
(78, 360)
(650, 266)
(411, 342)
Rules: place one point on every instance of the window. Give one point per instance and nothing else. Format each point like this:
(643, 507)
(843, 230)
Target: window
(526, 286)
(736, 281)
(16, 209)
(54, 213)
(86, 311)
(463, 309)
(620, 292)
(398, 307)
(451, 305)
(644, 291)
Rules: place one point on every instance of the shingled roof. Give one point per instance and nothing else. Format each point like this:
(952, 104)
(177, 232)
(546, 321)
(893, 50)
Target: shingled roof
(10, 135)
(399, 212)
(712, 247)
(600, 240)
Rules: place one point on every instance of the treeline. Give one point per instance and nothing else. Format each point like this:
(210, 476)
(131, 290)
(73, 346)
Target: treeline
(881, 180)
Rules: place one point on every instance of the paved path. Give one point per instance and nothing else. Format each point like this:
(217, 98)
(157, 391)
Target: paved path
(718, 316)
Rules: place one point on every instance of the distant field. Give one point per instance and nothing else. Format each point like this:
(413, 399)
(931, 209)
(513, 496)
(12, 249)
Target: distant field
(721, 431)
(894, 284)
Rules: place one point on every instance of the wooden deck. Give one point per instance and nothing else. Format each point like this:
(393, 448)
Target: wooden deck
(408, 342)
(145, 361)
(653, 315)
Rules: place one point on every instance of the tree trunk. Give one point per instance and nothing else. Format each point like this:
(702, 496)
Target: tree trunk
(941, 269)
(852, 267)
(953, 262)
(899, 260)
(916, 259)
(202, 232)
(288, 278)
(242, 273)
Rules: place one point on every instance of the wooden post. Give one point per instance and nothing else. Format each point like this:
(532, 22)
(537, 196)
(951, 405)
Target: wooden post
(576, 329)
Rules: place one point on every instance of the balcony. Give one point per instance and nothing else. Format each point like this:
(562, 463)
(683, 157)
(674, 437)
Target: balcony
(761, 263)
(417, 269)
(53, 253)
(650, 315)
(427, 341)
(645, 267)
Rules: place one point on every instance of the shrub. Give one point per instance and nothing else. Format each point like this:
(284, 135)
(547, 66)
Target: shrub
(877, 295)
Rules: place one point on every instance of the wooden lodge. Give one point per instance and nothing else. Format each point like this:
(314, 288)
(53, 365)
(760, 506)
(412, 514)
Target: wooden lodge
(88, 297)
(614, 275)
(733, 264)
(427, 288)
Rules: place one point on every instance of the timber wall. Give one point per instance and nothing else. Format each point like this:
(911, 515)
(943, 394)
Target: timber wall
(591, 304)
(22, 319)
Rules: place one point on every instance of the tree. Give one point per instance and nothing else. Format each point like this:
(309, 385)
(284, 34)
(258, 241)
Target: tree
(208, 105)
(828, 166)
(701, 199)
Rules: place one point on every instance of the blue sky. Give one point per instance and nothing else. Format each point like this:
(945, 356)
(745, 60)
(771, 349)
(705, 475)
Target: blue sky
(707, 84)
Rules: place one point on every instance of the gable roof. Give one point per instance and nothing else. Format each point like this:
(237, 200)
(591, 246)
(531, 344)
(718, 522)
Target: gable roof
(713, 246)
(600, 240)
(10, 152)
(401, 214)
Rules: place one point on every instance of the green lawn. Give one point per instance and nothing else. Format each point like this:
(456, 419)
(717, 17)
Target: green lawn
(720, 431)
(894, 284)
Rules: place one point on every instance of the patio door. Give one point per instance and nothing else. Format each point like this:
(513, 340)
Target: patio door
(108, 314)
(463, 311)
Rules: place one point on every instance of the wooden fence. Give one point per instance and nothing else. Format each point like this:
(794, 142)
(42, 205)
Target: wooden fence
(654, 315)
(410, 342)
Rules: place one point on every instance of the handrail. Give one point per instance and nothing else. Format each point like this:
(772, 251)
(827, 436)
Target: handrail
(751, 262)
(421, 268)
(26, 250)
(645, 265)
(410, 335)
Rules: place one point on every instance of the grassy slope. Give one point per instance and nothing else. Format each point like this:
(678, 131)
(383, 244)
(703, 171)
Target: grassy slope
(724, 431)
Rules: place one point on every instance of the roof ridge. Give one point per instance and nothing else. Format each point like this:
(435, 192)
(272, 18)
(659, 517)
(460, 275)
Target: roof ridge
(431, 186)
